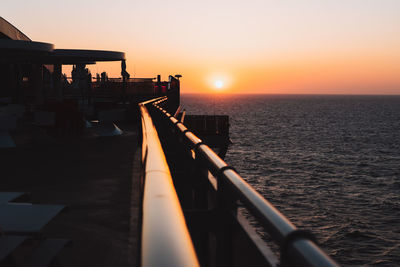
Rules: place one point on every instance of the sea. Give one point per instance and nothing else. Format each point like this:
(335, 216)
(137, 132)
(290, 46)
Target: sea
(329, 163)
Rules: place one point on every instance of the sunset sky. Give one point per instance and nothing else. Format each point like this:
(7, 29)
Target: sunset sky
(253, 46)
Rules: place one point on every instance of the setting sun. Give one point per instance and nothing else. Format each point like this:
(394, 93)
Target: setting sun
(219, 84)
(219, 81)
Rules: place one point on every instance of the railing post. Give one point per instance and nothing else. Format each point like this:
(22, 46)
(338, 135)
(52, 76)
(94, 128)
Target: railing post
(226, 208)
(200, 191)
(202, 222)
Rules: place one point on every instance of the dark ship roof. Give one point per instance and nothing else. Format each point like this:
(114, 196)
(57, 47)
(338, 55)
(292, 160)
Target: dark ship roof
(8, 31)
(15, 45)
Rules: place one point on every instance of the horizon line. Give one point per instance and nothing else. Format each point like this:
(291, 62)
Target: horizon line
(315, 94)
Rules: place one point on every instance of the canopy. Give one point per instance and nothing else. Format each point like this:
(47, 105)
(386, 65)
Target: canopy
(77, 56)
(23, 51)
(10, 47)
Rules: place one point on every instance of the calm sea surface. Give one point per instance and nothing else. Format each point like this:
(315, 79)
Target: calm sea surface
(331, 164)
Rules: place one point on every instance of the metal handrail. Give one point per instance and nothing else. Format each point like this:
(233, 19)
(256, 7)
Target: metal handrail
(298, 246)
(165, 237)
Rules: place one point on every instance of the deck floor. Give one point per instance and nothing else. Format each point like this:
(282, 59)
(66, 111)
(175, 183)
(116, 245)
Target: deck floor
(97, 178)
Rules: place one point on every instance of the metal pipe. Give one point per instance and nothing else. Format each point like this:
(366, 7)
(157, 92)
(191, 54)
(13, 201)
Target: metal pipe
(306, 253)
(193, 139)
(163, 98)
(278, 226)
(183, 116)
(214, 162)
(165, 237)
(173, 120)
(177, 111)
(181, 127)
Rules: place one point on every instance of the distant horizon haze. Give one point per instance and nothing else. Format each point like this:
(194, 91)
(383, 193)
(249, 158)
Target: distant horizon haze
(261, 46)
(217, 93)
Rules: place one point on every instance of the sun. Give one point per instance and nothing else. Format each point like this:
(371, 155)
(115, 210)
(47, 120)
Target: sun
(219, 84)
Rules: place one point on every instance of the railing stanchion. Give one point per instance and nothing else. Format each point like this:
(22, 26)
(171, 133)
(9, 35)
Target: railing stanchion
(226, 208)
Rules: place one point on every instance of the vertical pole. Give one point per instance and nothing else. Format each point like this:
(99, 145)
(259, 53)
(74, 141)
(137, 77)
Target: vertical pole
(123, 90)
(158, 92)
(200, 201)
(173, 94)
(226, 205)
(57, 81)
(125, 77)
(177, 92)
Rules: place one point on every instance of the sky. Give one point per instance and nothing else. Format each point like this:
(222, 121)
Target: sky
(221, 46)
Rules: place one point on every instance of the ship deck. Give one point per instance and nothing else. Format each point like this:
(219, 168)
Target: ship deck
(97, 179)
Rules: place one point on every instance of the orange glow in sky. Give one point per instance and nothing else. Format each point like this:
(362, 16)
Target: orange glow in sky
(255, 46)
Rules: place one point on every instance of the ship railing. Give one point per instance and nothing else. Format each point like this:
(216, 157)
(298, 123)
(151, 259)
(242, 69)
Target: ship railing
(165, 238)
(296, 247)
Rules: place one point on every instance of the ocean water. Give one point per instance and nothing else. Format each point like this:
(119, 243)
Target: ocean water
(331, 164)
